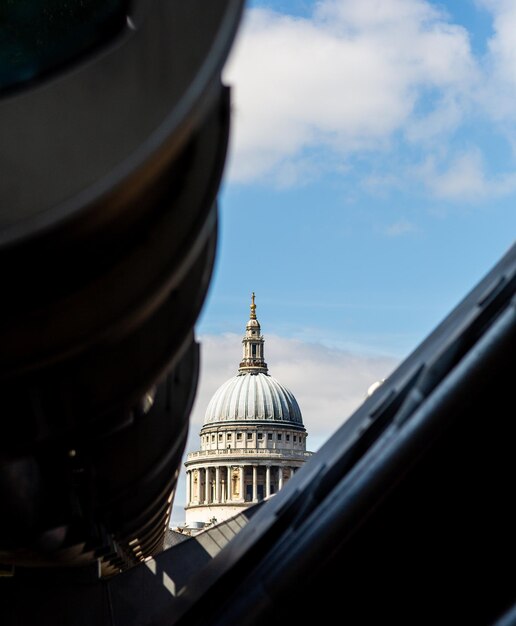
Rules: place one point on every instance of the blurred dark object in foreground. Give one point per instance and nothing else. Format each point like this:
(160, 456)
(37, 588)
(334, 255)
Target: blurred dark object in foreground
(114, 131)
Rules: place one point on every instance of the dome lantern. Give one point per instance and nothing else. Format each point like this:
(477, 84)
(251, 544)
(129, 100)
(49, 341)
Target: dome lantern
(252, 357)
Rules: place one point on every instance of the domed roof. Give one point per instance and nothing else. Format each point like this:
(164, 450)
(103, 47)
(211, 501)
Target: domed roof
(253, 397)
(253, 394)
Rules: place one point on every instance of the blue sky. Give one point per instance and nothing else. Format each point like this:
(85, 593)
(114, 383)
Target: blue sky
(370, 183)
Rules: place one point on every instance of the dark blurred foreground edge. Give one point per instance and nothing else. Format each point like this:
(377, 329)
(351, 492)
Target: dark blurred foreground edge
(114, 125)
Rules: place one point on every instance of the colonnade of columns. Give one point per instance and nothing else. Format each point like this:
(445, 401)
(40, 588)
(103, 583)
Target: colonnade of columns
(221, 484)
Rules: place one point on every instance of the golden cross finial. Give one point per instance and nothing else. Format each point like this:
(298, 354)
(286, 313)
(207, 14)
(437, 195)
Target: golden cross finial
(253, 308)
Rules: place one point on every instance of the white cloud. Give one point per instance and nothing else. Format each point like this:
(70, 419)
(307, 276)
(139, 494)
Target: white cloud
(496, 93)
(464, 177)
(400, 228)
(500, 64)
(440, 122)
(348, 79)
(329, 384)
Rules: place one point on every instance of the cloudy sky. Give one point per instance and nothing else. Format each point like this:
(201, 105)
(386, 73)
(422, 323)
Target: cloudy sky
(370, 183)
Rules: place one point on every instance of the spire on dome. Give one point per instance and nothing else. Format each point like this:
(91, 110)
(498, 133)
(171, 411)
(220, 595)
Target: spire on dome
(252, 360)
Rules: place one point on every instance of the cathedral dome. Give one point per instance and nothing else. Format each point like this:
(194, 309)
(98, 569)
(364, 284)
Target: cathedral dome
(253, 395)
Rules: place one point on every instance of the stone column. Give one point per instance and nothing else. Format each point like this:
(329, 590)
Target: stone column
(241, 478)
(217, 484)
(228, 483)
(255, 483)
(206, 485)
(280, 477)
(291, 472)
(188, 486)
(267, 481)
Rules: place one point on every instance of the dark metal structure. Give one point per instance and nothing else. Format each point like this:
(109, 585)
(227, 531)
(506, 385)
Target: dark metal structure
(111, 163)
(113, 142)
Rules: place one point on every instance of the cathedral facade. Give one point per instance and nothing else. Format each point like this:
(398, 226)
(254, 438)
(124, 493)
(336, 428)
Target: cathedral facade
(252, 441)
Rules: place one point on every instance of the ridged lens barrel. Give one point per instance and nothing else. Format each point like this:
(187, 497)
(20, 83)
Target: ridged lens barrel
(111, 163)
